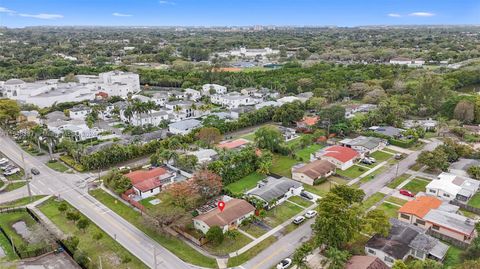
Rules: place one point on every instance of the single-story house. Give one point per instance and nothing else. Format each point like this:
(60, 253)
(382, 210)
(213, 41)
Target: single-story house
(365, 262)
(308, 122)
(449, 187)
(439, 216)
(147, 183)
(308, 173)
(426, 124)
(79, 111)
(389, 131)
(184, 127)
(274, 191)
(405, 240)
(234, 213)
(233, 144)
(364, 144)
(204, 155)
(342, 157)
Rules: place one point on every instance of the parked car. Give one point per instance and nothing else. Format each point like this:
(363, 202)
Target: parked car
(306, 195)
(406, 193)
(373, 160)
(285, 263)
(11, 172)
(3, 160)
(398, 156)
(3, 165)
(366, 161)
(35, 171)
(298, 219)
(8, 167)
(310, 214)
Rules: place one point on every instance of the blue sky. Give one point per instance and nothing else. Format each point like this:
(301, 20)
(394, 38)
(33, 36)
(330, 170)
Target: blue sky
(19, 13)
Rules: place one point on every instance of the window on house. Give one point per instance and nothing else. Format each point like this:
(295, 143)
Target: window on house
(388, 259)
(436, 227)
(371, 251)
(404, 216)
(432, 191)
(421, 222)
(446, 195)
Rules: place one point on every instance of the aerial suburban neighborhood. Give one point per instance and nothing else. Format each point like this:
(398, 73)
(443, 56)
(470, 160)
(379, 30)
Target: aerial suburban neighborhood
(127, 143)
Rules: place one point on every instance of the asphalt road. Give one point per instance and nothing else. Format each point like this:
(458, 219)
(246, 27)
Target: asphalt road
(71, 187)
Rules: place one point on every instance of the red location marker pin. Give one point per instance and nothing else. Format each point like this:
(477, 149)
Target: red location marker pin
(221, 205)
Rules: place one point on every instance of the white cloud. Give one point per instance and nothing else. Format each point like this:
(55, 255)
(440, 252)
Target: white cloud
(42, 16)
(6, 10)
(116, 14)
(421, 14)
(394, 15)
(165, 2)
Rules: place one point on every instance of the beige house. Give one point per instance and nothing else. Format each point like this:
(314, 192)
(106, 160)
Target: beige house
(308, 173)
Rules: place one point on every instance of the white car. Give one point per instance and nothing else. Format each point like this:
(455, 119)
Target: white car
(285, 263)
(11, 172)
(310, 214)
(298, 219)
(3, 161)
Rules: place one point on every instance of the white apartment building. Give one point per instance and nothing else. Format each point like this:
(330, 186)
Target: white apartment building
(219, 89)
(233, 100)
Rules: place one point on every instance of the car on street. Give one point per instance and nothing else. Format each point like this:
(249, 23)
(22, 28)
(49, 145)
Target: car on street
(306, 195)
(406, 193)
(298, 219)
(285, 263)
(398, 156)
(310, 214)
(35, 171)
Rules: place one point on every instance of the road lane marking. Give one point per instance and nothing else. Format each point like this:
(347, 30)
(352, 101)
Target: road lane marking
(268, 257)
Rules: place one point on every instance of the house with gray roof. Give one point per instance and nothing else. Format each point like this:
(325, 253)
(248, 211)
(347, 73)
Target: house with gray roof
(79, 111)
(364, 144)
(184, 127)
(389, 131)
(405, 240)
(274, 191)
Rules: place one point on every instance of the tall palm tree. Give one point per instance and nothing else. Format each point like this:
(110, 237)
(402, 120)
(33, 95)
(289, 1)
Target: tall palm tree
(51, 139)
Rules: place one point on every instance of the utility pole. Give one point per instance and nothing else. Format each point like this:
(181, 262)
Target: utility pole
(26, 178)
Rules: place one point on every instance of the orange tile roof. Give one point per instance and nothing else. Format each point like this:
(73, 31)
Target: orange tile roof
(142, 175)
(420, 206)
(340, 153)
(310, 121)
(233, 144)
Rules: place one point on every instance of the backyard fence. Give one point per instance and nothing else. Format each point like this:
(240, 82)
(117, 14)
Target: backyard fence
(466, 207)
(24, 254)
(133, 202)
(448, 239)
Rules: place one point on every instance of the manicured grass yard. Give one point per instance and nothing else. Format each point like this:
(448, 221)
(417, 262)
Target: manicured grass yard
(396, 200)
(416, 166)
(176, 246)
(253, 230)
(14, 186)
(381, 156)
(244, 257)
(324, 188)
(394, 183)
(245, 184)
(376, 197)
(305, 153)
(106, 248)
(416, 185)
(390, 210)
(57, 166)
(16, 176)
(249, 136)
(282, 165)
(229, 245)
(300, 201)
(22, 201)
(390, 150)
(352, 172)
(281, 213)
(475, 200)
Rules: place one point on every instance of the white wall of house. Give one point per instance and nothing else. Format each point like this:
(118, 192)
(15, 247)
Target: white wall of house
(147, 193)
(389, 260)
(202, 226)
(337, 163)
(443, 194)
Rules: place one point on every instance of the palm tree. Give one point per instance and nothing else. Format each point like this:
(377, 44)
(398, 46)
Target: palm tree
(36, 133)
(51, 140)
(300, 254)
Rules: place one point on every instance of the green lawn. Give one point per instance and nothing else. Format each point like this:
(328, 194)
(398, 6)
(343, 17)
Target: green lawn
(6, 222)
(381, 156)
(373, 174)
(452, 258)
(300, 201)
(394, 183)
(253, 230)
(475, 200)
(390, 210)
(370, 201)
(352, 172)
(390, 150)
(175, 245)
(304, 154)
(14, 186)
(416, 166)
(281, 213)
(249, 136)
(229, 244)
(7, 248)
(324, 188)
(22, 201)
(396, 200)
(282, 165)
(57, 166)
(245, 184)
(106, 247)
(246, 256)
(416, 185)
(16, 176)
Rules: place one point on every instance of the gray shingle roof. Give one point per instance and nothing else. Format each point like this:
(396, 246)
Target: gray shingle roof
(274, 188)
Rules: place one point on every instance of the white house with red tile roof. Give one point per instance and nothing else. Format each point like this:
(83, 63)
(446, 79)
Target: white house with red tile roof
(147, 183)
(342, 157)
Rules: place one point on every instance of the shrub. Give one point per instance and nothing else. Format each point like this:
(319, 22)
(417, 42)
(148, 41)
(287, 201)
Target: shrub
(72, 243)
(81, 258)
(361, 169)
(215, 235)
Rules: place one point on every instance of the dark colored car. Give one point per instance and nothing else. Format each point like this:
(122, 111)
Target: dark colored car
(306, 195)
(35, 171)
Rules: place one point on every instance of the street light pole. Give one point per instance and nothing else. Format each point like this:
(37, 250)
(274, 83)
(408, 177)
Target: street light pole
(25, 176)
